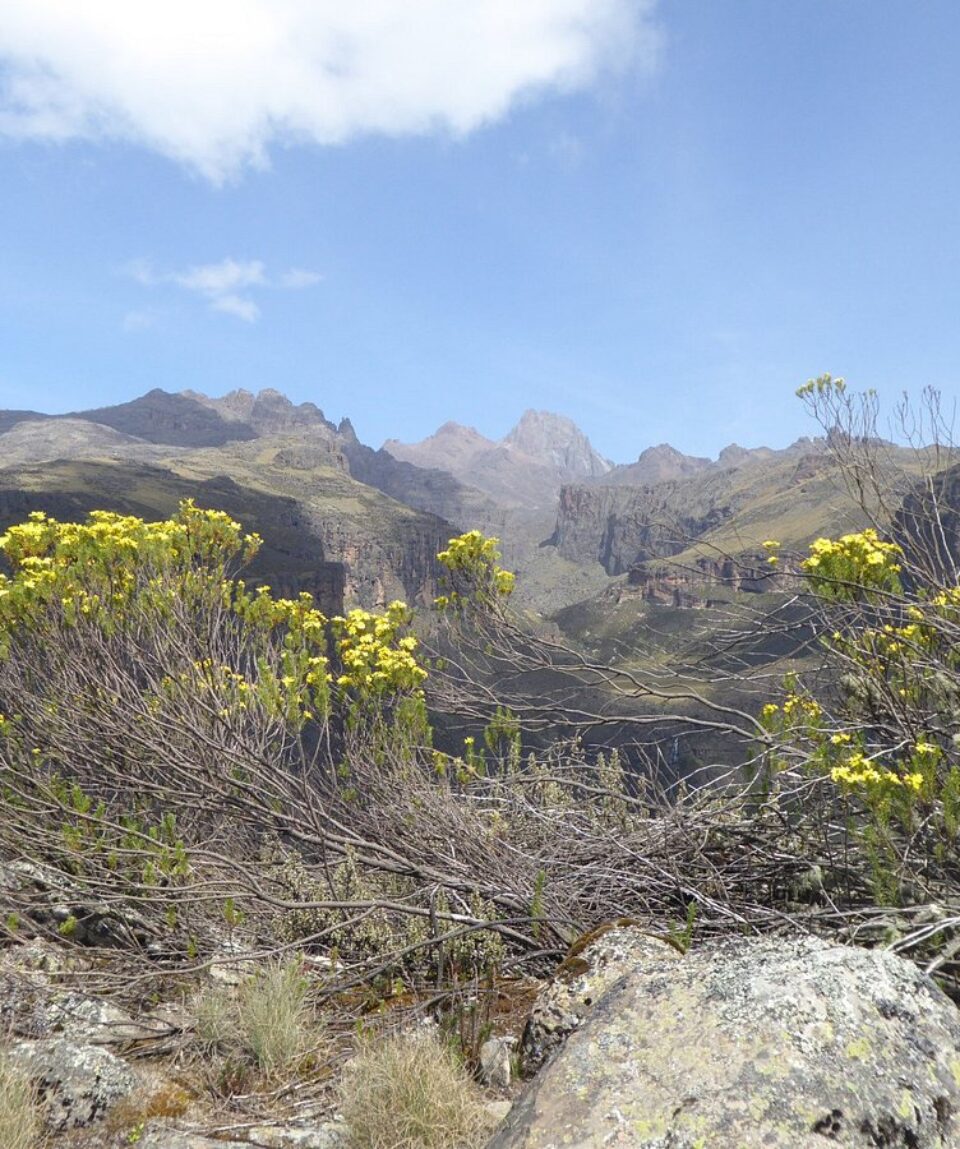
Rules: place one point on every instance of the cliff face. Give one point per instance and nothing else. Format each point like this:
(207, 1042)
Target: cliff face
(387, 550)
(927, 527)
(732, 505)
(622, 526)
(294, 557)
(691, 587)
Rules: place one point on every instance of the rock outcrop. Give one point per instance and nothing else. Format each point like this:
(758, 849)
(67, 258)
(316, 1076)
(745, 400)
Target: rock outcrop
(78, 1084)
(749, 1043)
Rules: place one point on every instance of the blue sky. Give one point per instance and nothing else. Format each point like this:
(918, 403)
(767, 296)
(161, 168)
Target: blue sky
(656, 218)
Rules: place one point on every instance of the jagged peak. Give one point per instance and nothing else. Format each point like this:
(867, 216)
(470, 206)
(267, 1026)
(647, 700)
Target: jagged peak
(556, 441)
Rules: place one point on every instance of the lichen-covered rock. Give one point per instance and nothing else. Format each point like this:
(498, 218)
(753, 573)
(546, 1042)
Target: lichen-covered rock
(593, 965)
(77, 1083)
(329, 1135)
(495, 1067)
(784, 1044)
(162, 1137)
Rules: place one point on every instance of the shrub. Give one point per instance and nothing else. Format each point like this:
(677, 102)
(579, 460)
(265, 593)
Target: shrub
(411, 1093)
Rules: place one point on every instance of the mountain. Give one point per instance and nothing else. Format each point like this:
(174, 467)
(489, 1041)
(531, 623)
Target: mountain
(268, 412)
(279, 468)
(667, 504)
(451, 447)
(525, 469)
(655, 465)
(555, 441)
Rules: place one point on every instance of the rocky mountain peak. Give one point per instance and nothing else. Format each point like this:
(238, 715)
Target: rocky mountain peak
(733, 454)
(345, 431)
(556, 441)
(268, 412)
(235, 406)
(660, 464)
(451, 447)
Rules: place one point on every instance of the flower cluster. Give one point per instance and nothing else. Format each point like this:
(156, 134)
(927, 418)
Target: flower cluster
(853, 567)
(96, 568)
(473, 572)
(858, 771)
(377, 657)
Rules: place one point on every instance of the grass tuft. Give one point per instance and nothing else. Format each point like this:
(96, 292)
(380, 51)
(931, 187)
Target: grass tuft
(411, 1093)
(265, 1025)
(20, 1119)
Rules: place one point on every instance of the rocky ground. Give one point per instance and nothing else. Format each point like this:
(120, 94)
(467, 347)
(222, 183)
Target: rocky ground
(773, 1042)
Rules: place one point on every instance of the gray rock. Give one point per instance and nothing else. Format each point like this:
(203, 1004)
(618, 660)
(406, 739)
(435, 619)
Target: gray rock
(495, 1067)
(78, 1083)
(498, 1110)
(162, 1137)
(331, 1135)
(586, 975)
(750, 1043)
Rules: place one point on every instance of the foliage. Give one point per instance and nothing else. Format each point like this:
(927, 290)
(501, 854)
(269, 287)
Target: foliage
(881, 721)
(265, 1024)
(159, 715)
(854, 566)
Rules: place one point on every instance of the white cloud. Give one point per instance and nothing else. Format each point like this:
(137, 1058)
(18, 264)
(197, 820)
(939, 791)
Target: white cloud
(226, 285)
(297, 277)
(215, 280)
(244, 309)
(213, 83)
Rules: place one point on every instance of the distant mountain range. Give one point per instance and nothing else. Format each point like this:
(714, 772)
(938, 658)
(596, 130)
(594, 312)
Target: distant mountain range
(373, 519)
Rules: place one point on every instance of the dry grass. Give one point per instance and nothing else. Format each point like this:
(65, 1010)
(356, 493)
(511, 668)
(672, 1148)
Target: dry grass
(266, 1025)
(411, 1093)
(20, 1120)
(274, 1017)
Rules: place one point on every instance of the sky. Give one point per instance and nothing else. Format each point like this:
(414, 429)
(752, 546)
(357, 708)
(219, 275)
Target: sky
(657, 218)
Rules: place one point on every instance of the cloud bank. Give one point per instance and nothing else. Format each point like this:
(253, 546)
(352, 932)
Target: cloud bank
(214, 83)
(226, 286)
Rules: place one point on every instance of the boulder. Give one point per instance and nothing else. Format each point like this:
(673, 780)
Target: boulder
(772, 1042)
(592, 966)
(329, 1135)
(162, 1137)
(78, 1083)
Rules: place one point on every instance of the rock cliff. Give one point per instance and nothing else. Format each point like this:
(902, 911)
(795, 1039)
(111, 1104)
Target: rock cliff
(619, 527)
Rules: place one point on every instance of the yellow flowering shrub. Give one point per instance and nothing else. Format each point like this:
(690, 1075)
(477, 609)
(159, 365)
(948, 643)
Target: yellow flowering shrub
(122, 576)
(472, 573)
(855, 566)
(884, 736)
(376, 655)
